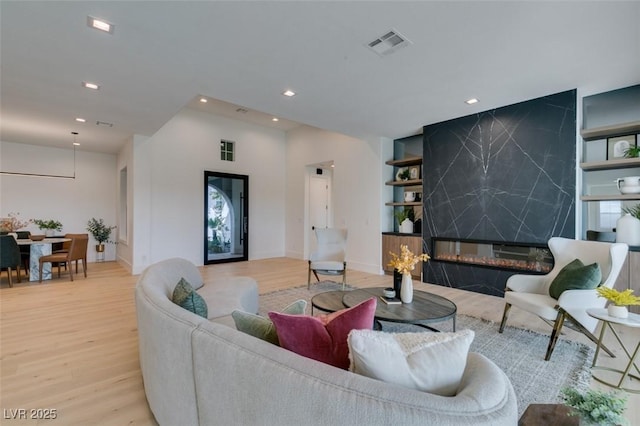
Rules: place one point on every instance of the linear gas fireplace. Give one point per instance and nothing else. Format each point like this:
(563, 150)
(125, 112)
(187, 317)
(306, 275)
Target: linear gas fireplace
(528, 257)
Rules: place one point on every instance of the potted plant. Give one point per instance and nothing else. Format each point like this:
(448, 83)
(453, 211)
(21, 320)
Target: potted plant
(619, 301)
(633, 211)
(596, 407)
(632, 152)
(405, 224)
(13, 223)
(49, 226)
(101, 232)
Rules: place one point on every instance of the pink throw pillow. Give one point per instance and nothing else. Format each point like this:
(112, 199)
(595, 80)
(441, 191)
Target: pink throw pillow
(323, 338)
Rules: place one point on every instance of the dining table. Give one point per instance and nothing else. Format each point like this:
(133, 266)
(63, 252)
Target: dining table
(36, 251)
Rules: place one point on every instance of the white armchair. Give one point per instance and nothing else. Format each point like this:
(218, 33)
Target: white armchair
(531, 292)
(330, 254)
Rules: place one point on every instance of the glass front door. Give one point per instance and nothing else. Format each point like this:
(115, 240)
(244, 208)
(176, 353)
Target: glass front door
(226, 227)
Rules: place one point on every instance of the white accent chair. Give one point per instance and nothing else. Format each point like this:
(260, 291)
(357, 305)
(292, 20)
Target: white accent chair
(531, 292)
(329, 257)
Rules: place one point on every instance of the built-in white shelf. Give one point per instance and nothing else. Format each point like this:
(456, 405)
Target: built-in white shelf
(602, 132)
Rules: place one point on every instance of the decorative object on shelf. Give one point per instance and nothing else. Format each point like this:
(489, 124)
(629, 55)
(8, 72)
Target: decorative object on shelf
(619, 301)
(596, 407)
(628, 230)
(414, 172)
(402, 173)
(406, 227)
(33, 237)
(405, 224)
(629, 185)
(101, 233)
(49, 226)
(404, 264)
(409, 196)
(13, 223)
(618, 147)
(633, 211)
(632, 152)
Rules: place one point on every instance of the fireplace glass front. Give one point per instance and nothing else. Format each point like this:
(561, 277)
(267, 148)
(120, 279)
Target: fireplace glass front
(526, 257)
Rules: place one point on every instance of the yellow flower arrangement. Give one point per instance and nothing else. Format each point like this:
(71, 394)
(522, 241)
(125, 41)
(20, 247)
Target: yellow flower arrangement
(619, 298)
(406, 262)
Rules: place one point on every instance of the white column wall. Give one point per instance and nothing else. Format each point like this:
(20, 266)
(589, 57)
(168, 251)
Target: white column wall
(357, 191)
(169, 186)
(71, 201)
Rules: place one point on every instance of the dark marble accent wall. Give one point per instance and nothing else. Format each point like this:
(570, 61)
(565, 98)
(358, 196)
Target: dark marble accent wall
(506, 174)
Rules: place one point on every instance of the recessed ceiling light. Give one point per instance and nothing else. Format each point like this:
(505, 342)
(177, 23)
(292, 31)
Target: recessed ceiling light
(81, 120)
(471, 101)
(90, 85)
(204, 100)
(289, 93)
(275, 119)
(100, 24)
(76, 144)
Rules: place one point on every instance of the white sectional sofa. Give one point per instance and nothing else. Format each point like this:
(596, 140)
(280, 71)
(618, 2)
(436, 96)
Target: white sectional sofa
(200, 371)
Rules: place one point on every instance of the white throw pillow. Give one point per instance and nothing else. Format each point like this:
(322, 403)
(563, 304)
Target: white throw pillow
(430, 362)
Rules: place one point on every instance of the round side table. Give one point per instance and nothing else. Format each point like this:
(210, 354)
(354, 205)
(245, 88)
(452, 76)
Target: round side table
(608, 321)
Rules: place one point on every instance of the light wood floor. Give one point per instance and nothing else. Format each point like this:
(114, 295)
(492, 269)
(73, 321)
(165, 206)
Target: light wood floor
(72, 347)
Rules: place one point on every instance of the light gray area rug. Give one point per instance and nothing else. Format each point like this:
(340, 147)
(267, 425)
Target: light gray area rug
(518, 352)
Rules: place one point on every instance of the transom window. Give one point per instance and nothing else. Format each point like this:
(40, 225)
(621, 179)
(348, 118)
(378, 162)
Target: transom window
(226, 150)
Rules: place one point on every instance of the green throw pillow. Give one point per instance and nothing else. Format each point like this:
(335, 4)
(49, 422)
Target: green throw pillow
(262, 327)
(575, 276)
(185, 296)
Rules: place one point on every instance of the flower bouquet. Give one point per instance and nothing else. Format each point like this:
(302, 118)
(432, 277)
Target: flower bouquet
(619, 300)
(406, 262)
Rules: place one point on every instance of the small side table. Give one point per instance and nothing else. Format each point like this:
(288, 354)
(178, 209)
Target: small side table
(607, 322)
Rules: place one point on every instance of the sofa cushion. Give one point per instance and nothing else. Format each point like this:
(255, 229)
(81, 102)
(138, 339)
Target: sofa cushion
(261, 327)
(575, 276)
(429, 362)
(185, 296)
(323, 338)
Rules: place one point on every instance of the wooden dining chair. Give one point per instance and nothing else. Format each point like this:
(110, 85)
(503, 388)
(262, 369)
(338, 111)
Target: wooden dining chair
(77, 251)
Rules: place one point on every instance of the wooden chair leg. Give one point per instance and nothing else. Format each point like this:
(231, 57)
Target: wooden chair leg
(19, 277)
(309, 276)
(9, 276)
(505, 315)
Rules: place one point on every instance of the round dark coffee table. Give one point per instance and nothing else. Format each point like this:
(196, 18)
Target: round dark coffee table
(426, 308)
(328, 301)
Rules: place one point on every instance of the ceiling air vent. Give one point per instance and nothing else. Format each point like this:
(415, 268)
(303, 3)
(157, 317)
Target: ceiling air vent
(389, 43)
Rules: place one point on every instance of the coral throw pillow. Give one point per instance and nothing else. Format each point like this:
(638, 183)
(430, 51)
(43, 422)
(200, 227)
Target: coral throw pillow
(324, 338)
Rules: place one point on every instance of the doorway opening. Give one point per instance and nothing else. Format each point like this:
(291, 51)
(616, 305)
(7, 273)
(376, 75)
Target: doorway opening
(226, 217)
(319, 196)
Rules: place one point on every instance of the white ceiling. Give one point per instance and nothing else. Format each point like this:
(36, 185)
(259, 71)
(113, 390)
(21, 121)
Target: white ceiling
(164, 55)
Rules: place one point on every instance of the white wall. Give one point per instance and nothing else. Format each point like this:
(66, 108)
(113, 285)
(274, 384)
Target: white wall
(168, 168)
(71, 201)
(358, 182)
